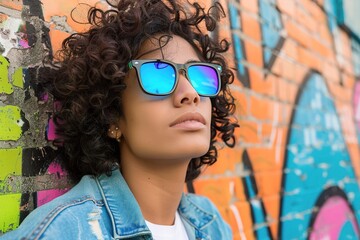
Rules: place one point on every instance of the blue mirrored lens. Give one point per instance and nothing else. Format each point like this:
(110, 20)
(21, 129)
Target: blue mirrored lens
(204, 79)
(157, 77)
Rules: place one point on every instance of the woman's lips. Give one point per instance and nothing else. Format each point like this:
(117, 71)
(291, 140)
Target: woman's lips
(189, 121)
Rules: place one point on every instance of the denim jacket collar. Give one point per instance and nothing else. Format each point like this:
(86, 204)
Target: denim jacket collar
(126, 217)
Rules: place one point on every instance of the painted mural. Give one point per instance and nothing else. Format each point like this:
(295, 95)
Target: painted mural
(295, 171)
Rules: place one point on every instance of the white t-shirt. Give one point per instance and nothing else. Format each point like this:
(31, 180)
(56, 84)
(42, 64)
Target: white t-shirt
(165, 232)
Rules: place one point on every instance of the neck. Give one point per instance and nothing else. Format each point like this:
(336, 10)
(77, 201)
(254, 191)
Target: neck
(157, 187)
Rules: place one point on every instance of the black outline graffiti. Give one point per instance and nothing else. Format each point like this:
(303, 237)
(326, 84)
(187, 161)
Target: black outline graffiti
(248, 167)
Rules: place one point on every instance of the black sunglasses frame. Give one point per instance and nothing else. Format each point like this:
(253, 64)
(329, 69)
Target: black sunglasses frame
(138, 63)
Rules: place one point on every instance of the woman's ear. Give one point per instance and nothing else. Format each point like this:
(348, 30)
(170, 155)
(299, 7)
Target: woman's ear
(114, 132)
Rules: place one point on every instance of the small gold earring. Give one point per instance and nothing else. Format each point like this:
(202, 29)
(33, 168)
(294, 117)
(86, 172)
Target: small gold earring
(118, 138)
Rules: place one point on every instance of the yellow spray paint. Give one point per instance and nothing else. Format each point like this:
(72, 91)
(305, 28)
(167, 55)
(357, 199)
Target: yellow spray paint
(10, 164)
(17, 78)
(5, 86)
(10, 123)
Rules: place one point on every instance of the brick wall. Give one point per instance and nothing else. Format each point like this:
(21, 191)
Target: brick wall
(294, 173)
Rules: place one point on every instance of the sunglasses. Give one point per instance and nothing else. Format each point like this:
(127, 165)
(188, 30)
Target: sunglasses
(160, 77)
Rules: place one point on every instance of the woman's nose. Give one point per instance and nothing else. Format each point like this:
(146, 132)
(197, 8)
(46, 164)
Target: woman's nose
(185, 92)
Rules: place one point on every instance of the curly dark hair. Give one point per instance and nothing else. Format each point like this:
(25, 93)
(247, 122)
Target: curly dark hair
(88, 73)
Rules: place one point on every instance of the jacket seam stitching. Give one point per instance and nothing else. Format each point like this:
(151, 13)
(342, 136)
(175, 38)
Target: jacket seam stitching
(44, 224)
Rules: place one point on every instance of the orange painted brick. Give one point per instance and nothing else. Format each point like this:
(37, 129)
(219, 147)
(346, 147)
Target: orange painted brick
(64, 8)
(281, 89)
(254, 53)
(3, 17)
(269, 182)
(268, 130)
(251, 27)
(288, 69)
(286, 110)
(324, 34)
(309, 59)
(251, 6)
(330, 71)
(241, 221)
(13, 4)
(227, 160)
(300, 73)
(319, 47)
(272, 206)
(276, 68)
(348, 80)
(262, 159)
(290, 49)
(260, 85)
(56, 38)
(317, 12)
(346, 50)
(286, 91)
(338, 92)
(248, 132)
(261, 108)
(306, 20)
(242, 103)
(287, 7)
(218, 190)
(353, 149)
(296, 32)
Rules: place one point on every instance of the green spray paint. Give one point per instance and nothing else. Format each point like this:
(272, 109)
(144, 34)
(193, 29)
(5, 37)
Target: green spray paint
(5, 86)
(17, 78)
(10, 123)
(10, 164)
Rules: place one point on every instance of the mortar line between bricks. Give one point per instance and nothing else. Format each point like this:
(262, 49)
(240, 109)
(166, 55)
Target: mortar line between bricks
(10, 12)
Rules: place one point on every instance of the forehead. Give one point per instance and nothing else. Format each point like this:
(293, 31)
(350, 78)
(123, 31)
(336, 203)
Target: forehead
(175, 49)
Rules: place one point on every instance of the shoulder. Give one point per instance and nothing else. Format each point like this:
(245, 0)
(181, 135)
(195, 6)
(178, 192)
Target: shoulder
(63, 212)
(218, 223)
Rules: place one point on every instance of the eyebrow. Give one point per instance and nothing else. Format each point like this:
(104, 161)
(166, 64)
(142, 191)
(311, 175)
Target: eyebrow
(192, 61)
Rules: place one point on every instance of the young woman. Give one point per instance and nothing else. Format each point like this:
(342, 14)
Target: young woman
(144, 98)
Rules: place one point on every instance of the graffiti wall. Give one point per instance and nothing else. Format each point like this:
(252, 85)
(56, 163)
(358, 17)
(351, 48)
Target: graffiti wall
(294, 173)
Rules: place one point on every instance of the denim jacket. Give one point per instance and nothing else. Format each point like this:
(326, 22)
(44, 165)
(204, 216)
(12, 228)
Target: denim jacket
(104, 208)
